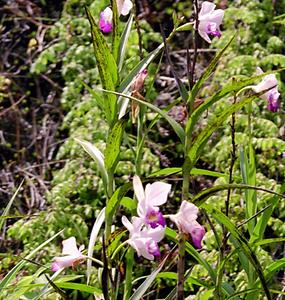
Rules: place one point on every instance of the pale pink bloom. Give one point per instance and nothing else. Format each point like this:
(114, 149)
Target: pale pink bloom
(210, 21)
(124, 7)
(271, 96)
(186, 222)
(106, 20)
(72, 255)
(144, 239)
(155, 194)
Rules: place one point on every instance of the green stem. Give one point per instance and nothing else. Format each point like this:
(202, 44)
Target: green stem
(181, 267)
(129, 274)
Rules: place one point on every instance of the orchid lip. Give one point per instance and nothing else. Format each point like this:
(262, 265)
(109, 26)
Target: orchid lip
(155, 218)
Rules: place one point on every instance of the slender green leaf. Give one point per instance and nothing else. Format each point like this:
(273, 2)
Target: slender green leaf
(126, 83)
(208, 71)
(12, 273)
(114, 202)
(79, 287)
(269, 241)
(106, 65)
(176, 127)
(247, 165)
(97, 155)
(203, 137)
(129, 257)
(113, 145)
(247, 291)
(93, 237)
(124, 41)
(200, 198)
(263, 220)
(194, 171)
(148, 282)
(242, 243)
(129, 203)
(7, 208)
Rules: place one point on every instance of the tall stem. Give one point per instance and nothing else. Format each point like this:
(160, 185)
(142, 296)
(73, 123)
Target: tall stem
(181, 267)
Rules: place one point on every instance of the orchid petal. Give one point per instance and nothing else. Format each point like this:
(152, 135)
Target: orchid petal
(138, 188)
(156, 193)
(126, 8)
(217, 16)
(69, 247)
(207, 7)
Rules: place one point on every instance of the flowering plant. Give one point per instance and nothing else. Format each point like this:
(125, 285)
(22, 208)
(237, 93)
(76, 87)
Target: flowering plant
(174, 240)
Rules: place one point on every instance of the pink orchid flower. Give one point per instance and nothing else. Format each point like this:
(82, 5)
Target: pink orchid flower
(144, 239)
(186, 222)
(155, 194)
(124, 7)
(72, 255)
(272, 95)
(210, 21)
(106, 20)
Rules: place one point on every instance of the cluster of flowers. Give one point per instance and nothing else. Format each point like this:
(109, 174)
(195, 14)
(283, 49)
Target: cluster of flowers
(209, 22)
(147, 229)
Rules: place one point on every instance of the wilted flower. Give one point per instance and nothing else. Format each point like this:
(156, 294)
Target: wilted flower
(72, 255)
(272, 95)
(139, 81)
(210, 21)
(106, 20)
(144, 239)
(124, 7)
(155, 194)
(186, 222)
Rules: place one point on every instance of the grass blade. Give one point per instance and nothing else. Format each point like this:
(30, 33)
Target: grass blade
(7, 208)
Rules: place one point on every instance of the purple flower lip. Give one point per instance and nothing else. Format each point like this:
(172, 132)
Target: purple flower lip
(106, 20)
(213, 30)
(155, 218)
(273, 104)
(153, 248)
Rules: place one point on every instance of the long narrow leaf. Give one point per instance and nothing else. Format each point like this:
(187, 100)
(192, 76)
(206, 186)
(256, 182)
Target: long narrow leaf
(208, 71)
(203, 137)
(200, 198)
(147, 283)
(8, 206)
(125, 84)
(12, 273)
(124, 41)
(93, 237)
(97, 155)
(113, 144)
(176, 127)
(106, 65)
(242, 243)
